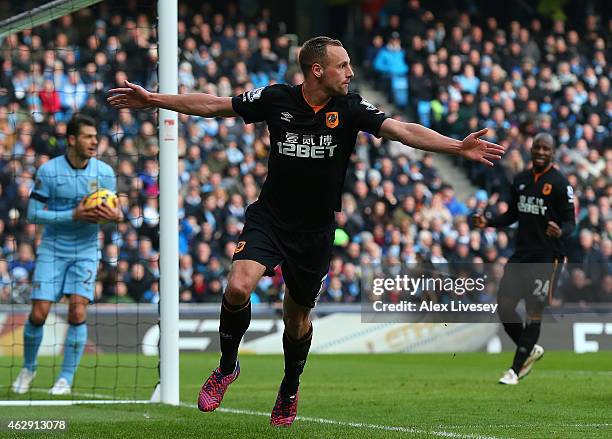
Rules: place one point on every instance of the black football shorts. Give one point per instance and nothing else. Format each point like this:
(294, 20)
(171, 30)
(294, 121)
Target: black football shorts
(303, 256)
(533, 281)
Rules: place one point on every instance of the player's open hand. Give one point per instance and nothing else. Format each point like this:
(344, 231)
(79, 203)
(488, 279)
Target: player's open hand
(553, 230)
(130, 96)
(479, 221)
(477, 149)
(107, 213)
(82, 213)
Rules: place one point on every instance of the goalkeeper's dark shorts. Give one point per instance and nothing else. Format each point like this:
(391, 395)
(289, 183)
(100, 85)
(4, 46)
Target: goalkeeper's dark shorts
(303, 256)
(533, 281)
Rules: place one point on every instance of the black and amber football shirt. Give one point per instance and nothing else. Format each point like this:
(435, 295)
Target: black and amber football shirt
(310, 149)
(536, 199)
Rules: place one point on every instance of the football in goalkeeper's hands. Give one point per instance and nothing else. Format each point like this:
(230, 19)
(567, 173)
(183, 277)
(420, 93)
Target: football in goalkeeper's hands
(102, 196)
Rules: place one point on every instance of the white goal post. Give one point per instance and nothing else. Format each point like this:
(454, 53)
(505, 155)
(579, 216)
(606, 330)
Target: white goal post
(168, 197)
(168, 389)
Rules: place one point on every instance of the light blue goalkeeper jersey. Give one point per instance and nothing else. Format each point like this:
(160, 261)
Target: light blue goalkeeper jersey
(58, 190)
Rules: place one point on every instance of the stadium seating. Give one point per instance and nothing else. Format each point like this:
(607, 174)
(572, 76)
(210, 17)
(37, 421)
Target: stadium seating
(455, 75)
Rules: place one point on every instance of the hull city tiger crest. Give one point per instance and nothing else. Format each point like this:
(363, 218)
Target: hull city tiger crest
(331, 119)
(240, 247)
(547, 189)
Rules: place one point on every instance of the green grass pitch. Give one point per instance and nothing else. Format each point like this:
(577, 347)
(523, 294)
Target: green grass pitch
(342, 396)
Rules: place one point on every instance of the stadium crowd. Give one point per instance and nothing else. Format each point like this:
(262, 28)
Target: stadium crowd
(455, 75)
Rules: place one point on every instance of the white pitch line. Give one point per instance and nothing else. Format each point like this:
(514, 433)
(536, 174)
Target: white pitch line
(93, 399)
(408, 430)
(64, 402)
(334, 422)
(79, 394)
(575, 372)
(527, 425)
(361, 425)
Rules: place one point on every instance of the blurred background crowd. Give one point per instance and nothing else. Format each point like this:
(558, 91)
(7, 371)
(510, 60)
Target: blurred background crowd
(453, 70)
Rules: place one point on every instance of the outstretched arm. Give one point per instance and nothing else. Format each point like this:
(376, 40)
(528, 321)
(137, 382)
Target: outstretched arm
(196, 104)
(420, 137)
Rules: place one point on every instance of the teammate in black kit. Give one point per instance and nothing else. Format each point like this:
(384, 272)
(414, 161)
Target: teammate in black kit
(542, 201)
(313, 128)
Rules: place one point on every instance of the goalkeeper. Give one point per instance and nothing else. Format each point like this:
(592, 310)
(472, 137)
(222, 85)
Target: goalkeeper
(67, 258)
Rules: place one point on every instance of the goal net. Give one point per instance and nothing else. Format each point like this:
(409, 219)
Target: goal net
(58, 60)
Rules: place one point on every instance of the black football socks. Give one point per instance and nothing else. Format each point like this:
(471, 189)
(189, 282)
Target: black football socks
(233, 323)
(514, 330)
(512, 321)
(296, 352)
(529, 337)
